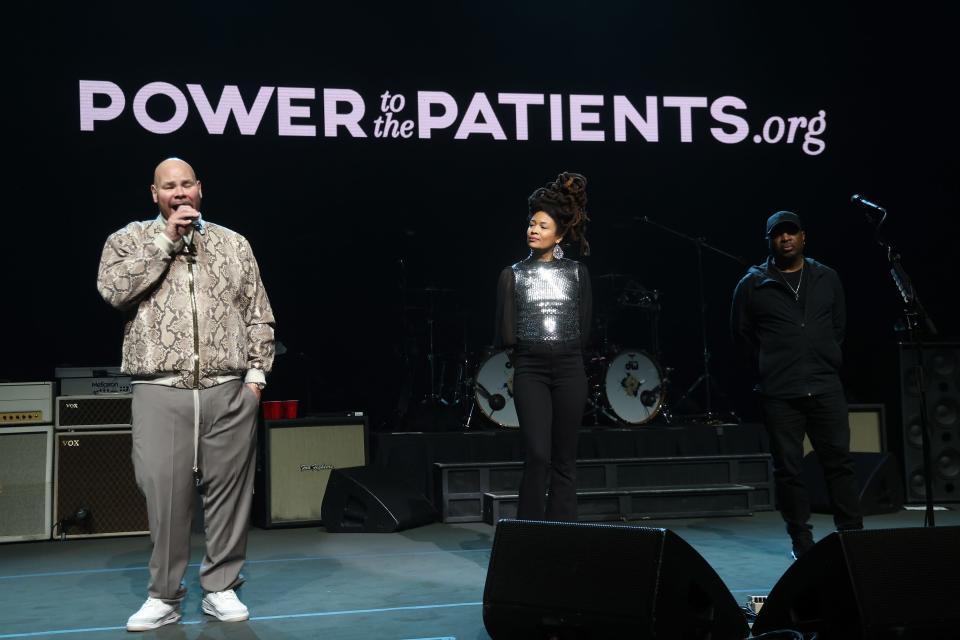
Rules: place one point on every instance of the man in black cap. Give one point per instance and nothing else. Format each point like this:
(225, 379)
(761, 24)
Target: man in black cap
(788, 317)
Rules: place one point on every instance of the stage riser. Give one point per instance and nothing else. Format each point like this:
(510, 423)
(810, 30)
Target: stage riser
(460, 487)
(617, 506)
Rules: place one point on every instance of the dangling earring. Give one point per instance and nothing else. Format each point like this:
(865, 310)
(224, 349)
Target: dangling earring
(557, 251)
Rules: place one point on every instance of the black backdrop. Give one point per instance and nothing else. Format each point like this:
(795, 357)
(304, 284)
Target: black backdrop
(338, 223)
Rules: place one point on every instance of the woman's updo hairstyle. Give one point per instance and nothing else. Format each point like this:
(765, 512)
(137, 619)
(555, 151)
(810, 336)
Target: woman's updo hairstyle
(565, 200)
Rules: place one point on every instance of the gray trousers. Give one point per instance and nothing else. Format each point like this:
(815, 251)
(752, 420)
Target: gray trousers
(163, 450)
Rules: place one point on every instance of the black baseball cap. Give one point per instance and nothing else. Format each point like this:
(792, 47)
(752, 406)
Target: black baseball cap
(783, 217)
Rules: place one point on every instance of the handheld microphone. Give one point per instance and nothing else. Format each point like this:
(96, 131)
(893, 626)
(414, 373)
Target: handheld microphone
(858, 199)
(198, 226)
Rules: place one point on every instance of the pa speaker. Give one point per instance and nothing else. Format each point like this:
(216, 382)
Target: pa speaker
(885, 583)
(368, 500)
(294, 462)
(593, 581)
(878, 476)
(26, 478)
(940, 379)
(95, 489)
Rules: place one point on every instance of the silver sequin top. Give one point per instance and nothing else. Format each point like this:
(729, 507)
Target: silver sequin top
(547, 295)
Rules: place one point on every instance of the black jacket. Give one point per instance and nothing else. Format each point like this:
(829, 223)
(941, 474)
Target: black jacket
(794, 347)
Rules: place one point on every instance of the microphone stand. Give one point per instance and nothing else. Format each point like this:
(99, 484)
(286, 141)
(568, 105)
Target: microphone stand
(917, 321)
(706, 379)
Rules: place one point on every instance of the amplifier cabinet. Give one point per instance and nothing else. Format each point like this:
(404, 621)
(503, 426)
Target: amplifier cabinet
(868, 429)
(294, 461)
(23, 403)
(95, 412)
(94, 475)
(26, 474)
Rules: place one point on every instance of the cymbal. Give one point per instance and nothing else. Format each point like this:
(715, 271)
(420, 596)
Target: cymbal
(612, 276)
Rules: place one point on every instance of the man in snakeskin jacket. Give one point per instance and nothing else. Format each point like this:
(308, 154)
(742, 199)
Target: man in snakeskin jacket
(198, 343)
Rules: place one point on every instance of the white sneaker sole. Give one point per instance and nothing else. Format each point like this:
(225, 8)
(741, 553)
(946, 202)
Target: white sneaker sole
(147, 626)
(235, 617)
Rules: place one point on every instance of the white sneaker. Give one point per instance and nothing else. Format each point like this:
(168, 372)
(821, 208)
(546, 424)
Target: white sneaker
(225, 606)
(154, 613)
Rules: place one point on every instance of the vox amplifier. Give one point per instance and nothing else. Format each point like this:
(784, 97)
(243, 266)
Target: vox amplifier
(94, 412)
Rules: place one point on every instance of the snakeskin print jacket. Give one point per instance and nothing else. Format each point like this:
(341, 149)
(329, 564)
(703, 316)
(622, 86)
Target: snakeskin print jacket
(196, 310)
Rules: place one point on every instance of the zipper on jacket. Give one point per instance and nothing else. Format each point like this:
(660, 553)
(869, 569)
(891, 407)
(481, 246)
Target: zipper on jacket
(191, 261)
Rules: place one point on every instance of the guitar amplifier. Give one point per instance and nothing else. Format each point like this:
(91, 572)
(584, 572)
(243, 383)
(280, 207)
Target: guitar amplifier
(294, 462)
(94, 412)
(95, 489)
(88, 381)
(26, 458)
(23, 403)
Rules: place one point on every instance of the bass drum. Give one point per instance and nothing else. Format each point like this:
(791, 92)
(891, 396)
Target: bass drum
(633, 386)
(493, 390)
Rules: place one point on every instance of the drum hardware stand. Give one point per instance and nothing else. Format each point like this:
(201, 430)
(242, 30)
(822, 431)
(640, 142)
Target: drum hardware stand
(496, 400)
(468, 388)
(705, 379)
(596, 407)
(917, 321)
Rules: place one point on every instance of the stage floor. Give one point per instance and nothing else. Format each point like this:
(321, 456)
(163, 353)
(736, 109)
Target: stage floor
(425, 583)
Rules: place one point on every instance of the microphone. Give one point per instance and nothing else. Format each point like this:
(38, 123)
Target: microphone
(496, 400)
(198, 226)
(858, 199)
(649, 398)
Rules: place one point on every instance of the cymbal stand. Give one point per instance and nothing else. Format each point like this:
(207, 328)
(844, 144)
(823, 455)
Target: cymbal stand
(705, 379)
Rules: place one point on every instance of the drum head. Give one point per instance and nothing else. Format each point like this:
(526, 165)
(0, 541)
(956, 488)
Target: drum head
(633, 387)
(494, 390)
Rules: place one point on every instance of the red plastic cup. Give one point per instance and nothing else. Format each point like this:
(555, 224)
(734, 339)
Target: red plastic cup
(291, 409)
(272, 409)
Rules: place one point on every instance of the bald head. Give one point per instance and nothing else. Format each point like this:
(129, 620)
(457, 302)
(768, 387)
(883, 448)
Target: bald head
(170, 163)
(174, 185)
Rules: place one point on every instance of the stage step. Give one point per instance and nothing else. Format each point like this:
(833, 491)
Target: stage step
(608, 505)
(460, 487)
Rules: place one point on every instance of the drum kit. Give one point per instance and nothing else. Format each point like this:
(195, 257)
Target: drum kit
(626, 385)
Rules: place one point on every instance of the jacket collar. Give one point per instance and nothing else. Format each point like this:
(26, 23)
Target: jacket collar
(768, 271)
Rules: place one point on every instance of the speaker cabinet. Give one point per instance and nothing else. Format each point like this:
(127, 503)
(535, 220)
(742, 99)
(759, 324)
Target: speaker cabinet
(26, 479)
(369, 500)
(596, 581)
(941, 380)
(868, 429)
(94, 412)
(878, 476)
(294, 461)
(885, 583)
(95, 490)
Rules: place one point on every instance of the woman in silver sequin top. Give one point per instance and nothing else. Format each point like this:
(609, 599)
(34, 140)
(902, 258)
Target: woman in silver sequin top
(543, 318)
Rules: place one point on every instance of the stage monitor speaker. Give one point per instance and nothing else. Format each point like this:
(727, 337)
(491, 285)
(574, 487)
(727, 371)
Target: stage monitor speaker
(884, 583)
(596, 581)
(95, 490)
(878, 476)
(868, 429)
(26, 479)
(369, 500)
(294, 462)
(941, 378)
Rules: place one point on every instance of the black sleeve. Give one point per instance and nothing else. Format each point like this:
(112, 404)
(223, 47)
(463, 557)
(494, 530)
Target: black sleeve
(742, 328)
(505, 322)
(586, 305)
